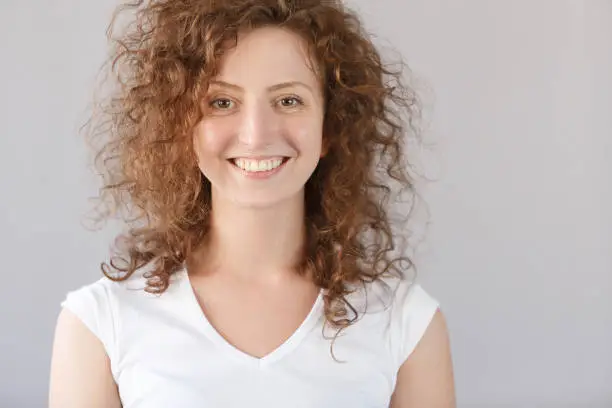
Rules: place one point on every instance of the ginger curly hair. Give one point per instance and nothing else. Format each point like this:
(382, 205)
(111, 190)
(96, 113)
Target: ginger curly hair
(160, 64)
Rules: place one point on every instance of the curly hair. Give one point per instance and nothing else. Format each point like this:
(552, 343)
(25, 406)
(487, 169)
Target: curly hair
(160, 64)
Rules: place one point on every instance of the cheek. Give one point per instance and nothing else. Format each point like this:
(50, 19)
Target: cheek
(211, 138)
(308, 135)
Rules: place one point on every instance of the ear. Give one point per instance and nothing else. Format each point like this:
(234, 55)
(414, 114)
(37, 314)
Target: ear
(324, 147)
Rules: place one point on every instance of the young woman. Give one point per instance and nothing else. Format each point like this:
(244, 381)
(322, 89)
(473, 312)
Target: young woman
(252, 146)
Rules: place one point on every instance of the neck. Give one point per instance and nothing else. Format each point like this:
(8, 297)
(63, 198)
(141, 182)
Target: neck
(256, 243)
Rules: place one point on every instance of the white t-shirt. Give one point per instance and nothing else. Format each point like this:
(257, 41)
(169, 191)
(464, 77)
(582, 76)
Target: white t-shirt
(164, 353)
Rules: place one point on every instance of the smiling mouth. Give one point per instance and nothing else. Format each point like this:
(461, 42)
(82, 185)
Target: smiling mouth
(259, 165)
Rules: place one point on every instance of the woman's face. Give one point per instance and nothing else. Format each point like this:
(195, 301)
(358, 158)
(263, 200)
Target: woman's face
(260, 138)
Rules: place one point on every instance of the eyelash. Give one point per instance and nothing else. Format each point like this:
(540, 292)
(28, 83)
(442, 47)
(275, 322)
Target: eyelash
(297, 99)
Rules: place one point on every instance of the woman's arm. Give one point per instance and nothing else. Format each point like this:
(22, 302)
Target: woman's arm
(80, 369)
(425, 380)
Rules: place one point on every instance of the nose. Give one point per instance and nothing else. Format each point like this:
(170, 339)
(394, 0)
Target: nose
(260, 125)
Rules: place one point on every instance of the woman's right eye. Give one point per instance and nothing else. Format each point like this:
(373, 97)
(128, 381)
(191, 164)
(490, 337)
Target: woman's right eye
(221, 104)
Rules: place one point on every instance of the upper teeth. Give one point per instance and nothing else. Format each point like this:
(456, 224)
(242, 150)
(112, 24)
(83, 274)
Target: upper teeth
(258, 165)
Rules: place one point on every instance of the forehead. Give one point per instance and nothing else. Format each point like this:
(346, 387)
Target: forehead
(267, 56)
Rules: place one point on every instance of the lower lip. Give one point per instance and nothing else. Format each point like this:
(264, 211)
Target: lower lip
(260, 174)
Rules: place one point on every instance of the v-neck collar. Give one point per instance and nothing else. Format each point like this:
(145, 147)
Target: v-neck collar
(311, 320)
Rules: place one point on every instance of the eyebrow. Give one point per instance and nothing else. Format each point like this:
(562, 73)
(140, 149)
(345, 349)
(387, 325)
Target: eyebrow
(272, 88)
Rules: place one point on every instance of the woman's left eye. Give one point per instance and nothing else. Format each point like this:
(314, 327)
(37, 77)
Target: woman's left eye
(291, 101)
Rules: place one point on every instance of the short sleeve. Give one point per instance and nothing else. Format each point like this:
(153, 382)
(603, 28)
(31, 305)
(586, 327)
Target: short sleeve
(92, 305)
(414, 310)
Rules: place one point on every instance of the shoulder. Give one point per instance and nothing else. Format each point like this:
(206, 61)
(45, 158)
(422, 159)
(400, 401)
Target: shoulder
(83, 346)
(81, 373)
(425, 378)
(101, 295)
(99, 306)
(93, 306)
(402, 306)
(94, 293)
(411, 311)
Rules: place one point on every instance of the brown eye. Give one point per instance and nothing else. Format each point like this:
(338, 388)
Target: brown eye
(291, 101)
(221, 104)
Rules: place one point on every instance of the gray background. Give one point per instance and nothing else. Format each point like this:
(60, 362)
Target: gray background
(519, 250)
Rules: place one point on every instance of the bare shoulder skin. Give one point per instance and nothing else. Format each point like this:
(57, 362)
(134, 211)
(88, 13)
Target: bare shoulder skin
(426, 378)
(80, 368)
